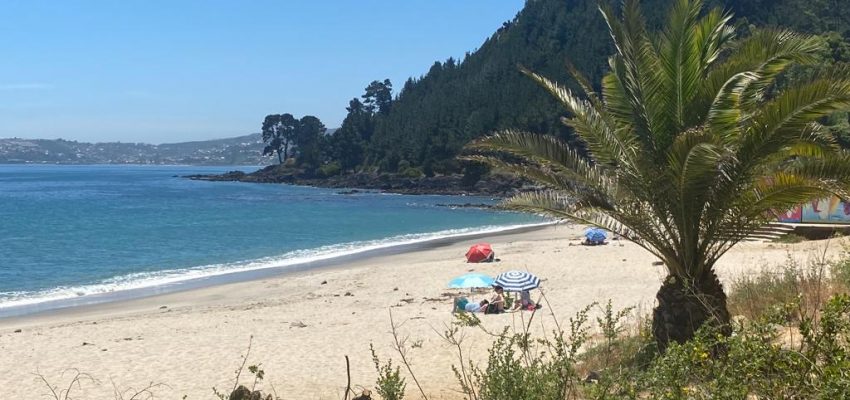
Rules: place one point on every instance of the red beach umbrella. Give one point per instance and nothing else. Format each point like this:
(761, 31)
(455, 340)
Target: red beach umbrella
(479, 252)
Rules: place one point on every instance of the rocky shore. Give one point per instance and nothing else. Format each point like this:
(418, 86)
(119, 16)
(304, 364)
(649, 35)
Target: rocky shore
(497, 185)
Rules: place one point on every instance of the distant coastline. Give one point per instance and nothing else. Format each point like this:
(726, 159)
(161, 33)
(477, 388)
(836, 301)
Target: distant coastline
(240, 150)
(244, 151)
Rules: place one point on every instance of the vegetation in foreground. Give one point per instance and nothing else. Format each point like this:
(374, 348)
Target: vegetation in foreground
(790, 340)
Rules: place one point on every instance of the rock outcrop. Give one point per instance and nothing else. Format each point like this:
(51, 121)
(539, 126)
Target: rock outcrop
(491, 185)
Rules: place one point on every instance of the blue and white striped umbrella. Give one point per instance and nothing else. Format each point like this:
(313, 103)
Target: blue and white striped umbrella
(471, 281)
(517, 281)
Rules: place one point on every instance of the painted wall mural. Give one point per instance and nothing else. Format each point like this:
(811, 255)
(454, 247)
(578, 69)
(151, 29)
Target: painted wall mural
(821, 211)
(794, 215)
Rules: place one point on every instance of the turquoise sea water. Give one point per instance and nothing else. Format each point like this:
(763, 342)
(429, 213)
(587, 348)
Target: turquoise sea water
(72, 232)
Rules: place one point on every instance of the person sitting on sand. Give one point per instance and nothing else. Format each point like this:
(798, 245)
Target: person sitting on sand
(497, 302)
(525, 302)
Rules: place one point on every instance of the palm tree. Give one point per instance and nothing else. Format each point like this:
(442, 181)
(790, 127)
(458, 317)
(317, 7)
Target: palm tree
(689, 148)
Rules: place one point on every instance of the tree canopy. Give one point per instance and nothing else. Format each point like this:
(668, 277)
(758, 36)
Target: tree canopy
(279, 133)
(287, 136)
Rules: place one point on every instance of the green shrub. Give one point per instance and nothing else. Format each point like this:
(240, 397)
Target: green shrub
(756, 363)
(412, 173)
(330, 169)
(522, 367)
(839, 271)
(509, 375)
(389, 385)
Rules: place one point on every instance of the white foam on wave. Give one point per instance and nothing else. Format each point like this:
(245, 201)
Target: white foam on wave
(144, 280)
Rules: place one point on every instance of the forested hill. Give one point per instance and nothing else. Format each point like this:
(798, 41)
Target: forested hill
(433, 116)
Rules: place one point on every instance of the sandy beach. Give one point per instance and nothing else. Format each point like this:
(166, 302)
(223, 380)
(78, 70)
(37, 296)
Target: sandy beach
(304, 324)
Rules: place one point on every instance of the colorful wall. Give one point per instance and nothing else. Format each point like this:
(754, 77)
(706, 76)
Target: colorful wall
(823, 211)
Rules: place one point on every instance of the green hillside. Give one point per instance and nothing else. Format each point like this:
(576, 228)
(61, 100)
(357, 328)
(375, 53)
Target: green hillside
(433, 116)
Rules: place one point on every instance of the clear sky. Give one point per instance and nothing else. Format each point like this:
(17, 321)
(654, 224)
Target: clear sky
(177, 70)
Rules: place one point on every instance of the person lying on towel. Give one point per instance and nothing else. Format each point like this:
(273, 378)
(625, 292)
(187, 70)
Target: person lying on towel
(463, 304)
(476, 307)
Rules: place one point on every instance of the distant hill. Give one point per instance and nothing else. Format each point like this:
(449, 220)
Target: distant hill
(242, 150)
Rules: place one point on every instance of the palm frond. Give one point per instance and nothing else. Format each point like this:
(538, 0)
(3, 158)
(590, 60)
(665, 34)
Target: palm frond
(787, 118)
(558, 159)
(590, 123)
(680, 58)
(583, 82)
(636, 68)
(725, 116)
(831, 171)
(713, 33)
(765, 53)
(554, 203)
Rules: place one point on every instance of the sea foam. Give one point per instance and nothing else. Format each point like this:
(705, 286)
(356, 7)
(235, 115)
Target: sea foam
(171, 279)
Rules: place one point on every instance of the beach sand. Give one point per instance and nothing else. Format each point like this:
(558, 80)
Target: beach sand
(304, 324)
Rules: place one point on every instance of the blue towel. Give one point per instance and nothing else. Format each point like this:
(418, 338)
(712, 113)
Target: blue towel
(460, 304)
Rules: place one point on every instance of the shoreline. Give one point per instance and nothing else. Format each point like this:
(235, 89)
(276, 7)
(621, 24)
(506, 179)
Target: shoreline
(329, 261)
(304, 323)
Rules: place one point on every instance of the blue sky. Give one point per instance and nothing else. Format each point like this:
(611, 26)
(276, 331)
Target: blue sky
(168, 71)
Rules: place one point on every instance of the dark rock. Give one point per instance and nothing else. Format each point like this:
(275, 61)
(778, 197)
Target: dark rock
(163, 307)
(17, 331)
(491, 185)
(366, 395)
(297, 324)
(349, 294)
(88, 344)
(243, 393)
(324, 282)
(592, 377)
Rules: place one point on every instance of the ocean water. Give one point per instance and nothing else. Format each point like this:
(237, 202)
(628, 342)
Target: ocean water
(74, 234)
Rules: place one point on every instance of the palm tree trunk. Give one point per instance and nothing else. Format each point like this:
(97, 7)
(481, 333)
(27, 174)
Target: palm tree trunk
(684, 306)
